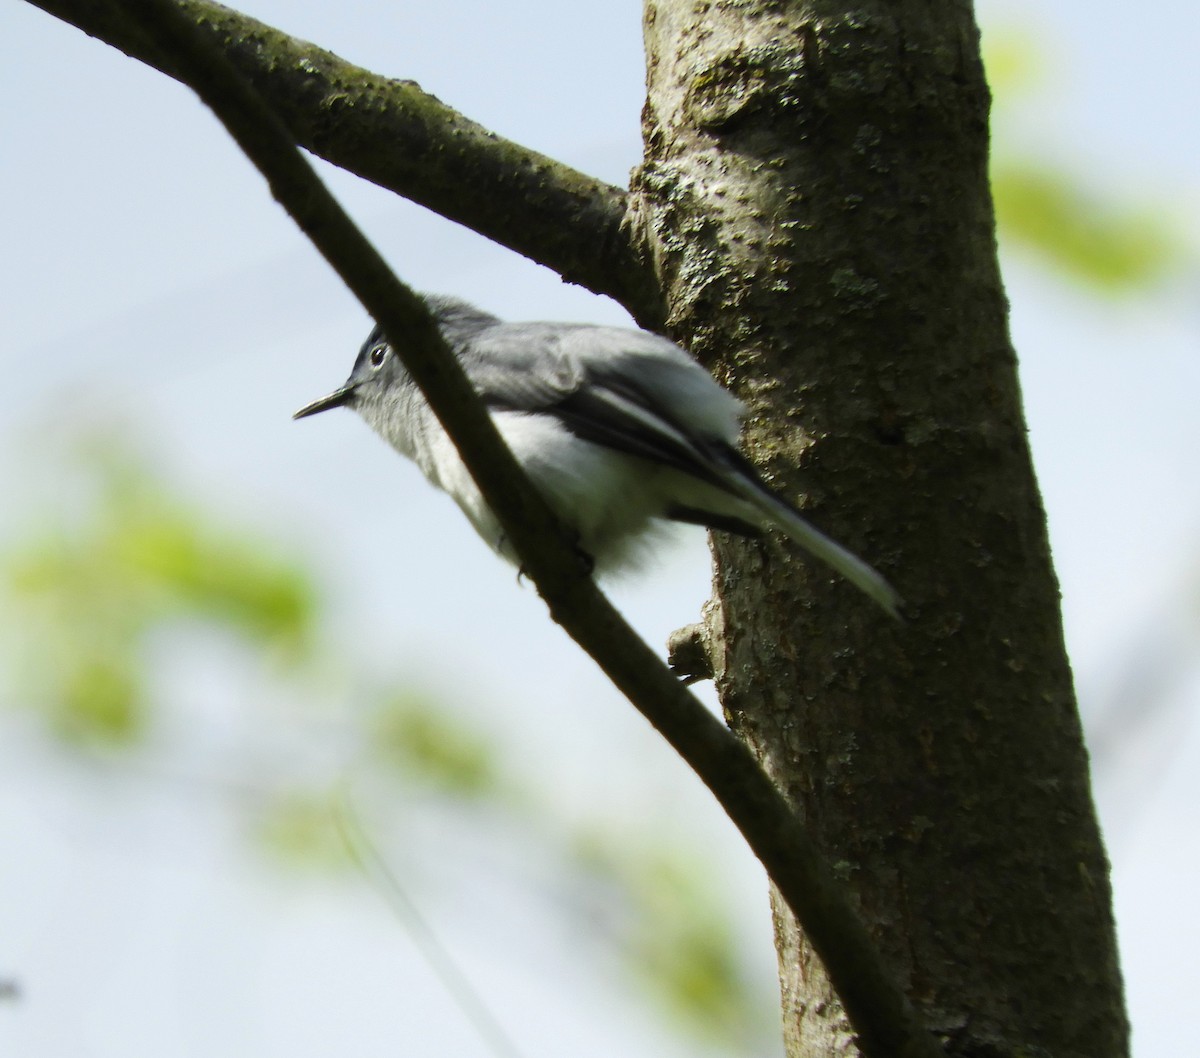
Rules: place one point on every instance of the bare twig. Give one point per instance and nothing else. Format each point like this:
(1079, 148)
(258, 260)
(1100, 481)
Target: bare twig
(375, 867)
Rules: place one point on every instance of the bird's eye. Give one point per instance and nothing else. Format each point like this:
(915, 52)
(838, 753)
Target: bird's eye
(378, 355)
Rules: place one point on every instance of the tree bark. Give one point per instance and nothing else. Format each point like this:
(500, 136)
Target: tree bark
(815, 201)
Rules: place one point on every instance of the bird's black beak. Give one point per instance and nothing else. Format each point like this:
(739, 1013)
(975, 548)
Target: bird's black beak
(335, 399)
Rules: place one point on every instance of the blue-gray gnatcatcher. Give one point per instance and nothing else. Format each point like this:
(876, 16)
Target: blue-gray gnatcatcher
(617, 428)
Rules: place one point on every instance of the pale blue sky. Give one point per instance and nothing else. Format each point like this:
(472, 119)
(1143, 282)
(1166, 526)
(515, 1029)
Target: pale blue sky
(145, 273)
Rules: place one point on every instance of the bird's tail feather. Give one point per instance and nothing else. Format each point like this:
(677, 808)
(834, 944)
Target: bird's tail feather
(792, 524)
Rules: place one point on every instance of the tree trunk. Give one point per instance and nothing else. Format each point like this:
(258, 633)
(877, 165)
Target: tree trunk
(815, 200)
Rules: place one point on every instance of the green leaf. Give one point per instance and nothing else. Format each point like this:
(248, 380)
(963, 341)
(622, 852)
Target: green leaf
(1114, 247)
(415, 736)
(1014, 60)
(99, 700)
(206, 571)
(88, 588)
(675, 934)
(299, 827)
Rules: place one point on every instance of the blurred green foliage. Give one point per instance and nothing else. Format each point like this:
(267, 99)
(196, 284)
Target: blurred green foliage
(411, 733)
(673, 932)
(1114, 247)
(92, 583)
(1089, 235)
(95, 588)
(297, 827)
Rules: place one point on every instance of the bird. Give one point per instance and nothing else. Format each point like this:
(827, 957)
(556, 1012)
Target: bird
(621, 430)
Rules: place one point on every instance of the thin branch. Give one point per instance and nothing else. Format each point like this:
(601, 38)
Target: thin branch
(880, 1012)
(395, 135)
(375, 868)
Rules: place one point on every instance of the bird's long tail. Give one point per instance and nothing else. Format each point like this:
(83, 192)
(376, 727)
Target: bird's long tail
(849, 565)
(781, 515)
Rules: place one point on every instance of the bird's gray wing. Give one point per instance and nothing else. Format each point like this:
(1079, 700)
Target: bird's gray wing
(639, 394)
(625, 390)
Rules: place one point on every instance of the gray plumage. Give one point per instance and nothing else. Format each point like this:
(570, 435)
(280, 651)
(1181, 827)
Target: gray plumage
(619, 429)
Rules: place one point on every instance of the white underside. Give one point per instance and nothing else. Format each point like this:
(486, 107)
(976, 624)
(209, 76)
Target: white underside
(611, 500)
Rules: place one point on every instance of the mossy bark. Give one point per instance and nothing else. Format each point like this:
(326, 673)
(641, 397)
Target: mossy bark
(815, 201)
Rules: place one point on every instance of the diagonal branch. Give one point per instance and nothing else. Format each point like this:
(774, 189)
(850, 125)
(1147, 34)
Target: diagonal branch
(401, 138)
(884, 1019)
